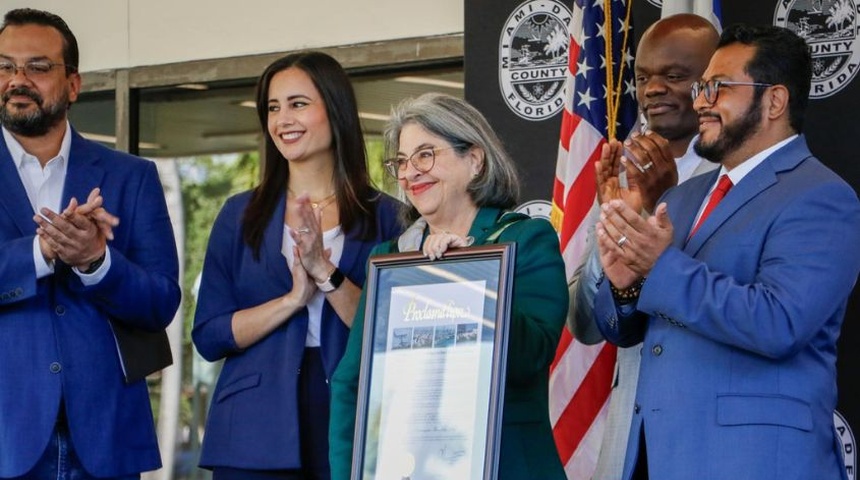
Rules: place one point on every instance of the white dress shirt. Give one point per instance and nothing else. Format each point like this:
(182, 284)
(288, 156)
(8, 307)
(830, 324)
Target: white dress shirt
(44, 187)
(738, 173)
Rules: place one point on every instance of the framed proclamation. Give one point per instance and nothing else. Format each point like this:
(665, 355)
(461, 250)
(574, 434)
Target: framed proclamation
(433, 365)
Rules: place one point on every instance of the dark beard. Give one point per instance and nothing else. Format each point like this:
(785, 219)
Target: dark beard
(36, 123)
(733, 135)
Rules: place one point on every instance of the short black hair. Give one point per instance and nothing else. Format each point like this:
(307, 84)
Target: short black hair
(781, 58)
(29, 16)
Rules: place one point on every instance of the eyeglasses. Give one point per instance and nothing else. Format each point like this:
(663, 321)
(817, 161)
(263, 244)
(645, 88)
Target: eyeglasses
(32, 70)
(423, 161)
(711, 88)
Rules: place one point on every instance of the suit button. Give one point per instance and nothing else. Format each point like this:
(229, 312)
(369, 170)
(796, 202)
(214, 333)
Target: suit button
(60, 310)
(636, 408)
(657, 350)
(55, 367)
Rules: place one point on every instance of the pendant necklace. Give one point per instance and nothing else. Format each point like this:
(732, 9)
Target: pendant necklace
(317, 204)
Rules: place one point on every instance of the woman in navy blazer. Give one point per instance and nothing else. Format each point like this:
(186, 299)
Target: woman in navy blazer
(283, 275)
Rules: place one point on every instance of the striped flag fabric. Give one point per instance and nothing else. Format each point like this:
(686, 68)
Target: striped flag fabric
(600, 104)
(710, 9)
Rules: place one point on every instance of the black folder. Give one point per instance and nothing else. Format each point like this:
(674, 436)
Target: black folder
(141, 352)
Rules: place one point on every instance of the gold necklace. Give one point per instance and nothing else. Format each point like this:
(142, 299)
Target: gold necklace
(323, 203)
(317, 204)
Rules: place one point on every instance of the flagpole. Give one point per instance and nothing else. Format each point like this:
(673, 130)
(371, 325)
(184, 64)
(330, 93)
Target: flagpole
(610, 80)
(613, 97)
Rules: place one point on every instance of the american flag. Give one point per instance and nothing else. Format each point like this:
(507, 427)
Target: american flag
(709, 9)
(581, 376)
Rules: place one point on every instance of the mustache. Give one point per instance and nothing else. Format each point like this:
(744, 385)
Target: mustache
(709, 115)
(23, 92)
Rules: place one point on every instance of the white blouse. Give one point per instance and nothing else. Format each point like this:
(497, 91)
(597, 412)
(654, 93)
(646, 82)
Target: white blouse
(333, 239)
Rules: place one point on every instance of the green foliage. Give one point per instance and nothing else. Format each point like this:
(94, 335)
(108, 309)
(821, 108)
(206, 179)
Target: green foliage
(375, 156)
(207, 182)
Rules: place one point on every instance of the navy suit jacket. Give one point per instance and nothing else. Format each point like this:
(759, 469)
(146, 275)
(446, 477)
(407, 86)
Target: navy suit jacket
(254, 418)
(55, 338)
(739, 326)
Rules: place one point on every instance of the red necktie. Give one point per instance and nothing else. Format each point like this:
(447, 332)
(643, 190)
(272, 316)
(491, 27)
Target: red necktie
(723, 187)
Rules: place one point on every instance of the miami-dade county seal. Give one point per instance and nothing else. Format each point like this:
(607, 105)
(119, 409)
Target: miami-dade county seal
(830, 28)
(849, 445)
(533, 58)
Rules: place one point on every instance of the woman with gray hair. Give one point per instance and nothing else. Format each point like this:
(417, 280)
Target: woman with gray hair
(459, 181)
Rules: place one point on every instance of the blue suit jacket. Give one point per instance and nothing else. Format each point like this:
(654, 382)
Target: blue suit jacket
(55, 339)
(254, 418)
(738, 374)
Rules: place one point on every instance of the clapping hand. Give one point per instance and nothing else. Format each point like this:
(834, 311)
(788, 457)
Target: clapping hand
(630, 245)
(77, 236)
(649, 166)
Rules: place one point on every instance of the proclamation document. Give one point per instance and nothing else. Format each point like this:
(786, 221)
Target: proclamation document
(433, 409)
(432, 380)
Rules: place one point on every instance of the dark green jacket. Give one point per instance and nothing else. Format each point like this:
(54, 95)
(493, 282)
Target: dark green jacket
(538, 313)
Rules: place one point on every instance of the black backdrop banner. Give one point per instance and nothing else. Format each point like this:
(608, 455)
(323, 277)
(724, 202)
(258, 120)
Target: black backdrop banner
(831, 27)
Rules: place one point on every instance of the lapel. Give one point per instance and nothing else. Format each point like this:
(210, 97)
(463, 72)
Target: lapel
(276, 264)
(85, 170)
(482, 226)
(754, 183)
(704, 166)
(688, 205)
(273, 238)
(82, 175)
(353, 249)
(14, 200)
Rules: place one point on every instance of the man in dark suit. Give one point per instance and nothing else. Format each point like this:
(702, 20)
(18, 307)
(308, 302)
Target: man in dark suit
(737, 287)
(68, 269)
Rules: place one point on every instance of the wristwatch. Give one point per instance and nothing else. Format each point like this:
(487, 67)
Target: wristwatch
(334, 280)
(94, 265)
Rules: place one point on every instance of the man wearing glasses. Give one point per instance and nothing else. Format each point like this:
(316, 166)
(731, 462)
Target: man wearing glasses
(672, 54)
(738, 285)
(68, 268)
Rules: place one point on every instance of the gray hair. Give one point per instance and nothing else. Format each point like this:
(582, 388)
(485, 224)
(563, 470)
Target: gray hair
(463, 126)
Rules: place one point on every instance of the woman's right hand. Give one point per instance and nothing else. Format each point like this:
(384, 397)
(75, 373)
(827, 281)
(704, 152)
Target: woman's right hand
(313, 255)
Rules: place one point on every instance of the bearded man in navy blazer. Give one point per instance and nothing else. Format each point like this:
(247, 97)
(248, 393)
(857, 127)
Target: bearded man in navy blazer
(68, 268)
(738, 305)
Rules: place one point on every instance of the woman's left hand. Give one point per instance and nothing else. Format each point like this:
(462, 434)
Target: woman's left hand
(436, 244)
(303, 286)
(308, 239)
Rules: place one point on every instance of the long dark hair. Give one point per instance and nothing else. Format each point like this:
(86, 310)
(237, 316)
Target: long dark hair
(355, 195)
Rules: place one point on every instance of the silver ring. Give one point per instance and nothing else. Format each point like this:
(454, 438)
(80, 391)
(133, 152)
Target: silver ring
(621, 241)
(647, 166)
(303, 230)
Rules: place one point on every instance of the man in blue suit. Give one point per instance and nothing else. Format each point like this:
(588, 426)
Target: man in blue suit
(672, 54)
(68, 269)
(738, 303)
